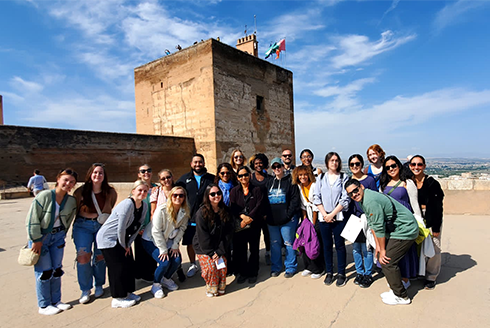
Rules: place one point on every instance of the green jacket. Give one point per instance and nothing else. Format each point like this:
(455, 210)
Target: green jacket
(40, 219)
(378, 208)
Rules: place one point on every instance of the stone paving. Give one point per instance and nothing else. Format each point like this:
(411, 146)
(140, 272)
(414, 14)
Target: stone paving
(461, 297)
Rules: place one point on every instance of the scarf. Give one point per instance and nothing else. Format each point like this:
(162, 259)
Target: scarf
(225, 188)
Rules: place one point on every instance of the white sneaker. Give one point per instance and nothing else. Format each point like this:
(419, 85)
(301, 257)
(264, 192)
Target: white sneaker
(406, 284)
(99, 291)
(305, 273)
(169, 284)
(387, 294)
(210, 294)
(63, 306)
(316, 275)
(396, 300)
(85, 298)
(49, 310)
(122, 303)
(157, 291)
(133, 297)
(192, 270)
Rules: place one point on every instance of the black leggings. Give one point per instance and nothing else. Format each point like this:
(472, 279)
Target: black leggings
(120, 270)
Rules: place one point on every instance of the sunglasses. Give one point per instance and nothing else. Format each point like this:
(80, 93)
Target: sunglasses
(217, 193)
(307, 157)
(356, 164)
(287, 155)
(243, 175)
(353, 192)
(178, 195)
(417, 164)
(275, 167)
(165, 178)
(238, 156)
(98, 164)
(224, 173)
(392, 166)
(69, 172)
(145, 171)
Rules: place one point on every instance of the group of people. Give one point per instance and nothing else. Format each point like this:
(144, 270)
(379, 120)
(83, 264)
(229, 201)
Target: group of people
(220, 218)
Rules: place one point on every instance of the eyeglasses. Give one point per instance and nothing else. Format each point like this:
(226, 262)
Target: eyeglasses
(178, 195)
(307, 157)
(243, 175)
(392, 166)
(275, 167)
(353, 192)
(217, 193)
(417, 164)
(287, 155)
(98, 164)
(224, 173)
(145, 171)
(166, 178)
(356, 164)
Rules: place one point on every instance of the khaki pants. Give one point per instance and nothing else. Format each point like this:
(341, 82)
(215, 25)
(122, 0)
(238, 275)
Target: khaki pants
(433, 266)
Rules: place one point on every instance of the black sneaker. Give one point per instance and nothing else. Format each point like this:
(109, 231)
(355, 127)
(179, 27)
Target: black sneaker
(181, 275)
(366, 282)
(328, 279)
(274, 274)
(289, 274)
(252, 280)
(241, 279)
(429, 285)
(358, 279)
(341, 280)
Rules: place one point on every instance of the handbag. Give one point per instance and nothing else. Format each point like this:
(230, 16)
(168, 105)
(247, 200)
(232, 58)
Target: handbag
(102, 216)
(27, 256)
(45, 185)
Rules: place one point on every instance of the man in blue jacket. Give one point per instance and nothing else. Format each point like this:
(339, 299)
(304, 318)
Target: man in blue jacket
(195, 183)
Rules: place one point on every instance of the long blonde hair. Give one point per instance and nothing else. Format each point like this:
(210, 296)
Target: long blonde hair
(170, 205)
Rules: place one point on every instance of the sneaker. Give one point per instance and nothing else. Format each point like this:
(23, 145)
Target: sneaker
(289, 274)
(62, 306)
(429, 285)
(49, 310)
(192, 270)
(122, 303)
(328, 279)
(267, 258)
(316, 275)
(133, 297)
(157, 291)
(359, 278)
(305, 273)
(241, 279)
(274, 274)
(208, 294)
(396, 300)
(251, 280)
(181, 275)
(388, 294)
(99, 291)
(341, 280)
(222, 292)
(366, 282)
(406, 284)
(169, 284)
(85, 298)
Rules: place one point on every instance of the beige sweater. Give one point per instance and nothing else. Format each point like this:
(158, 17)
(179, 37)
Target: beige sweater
(163, 226)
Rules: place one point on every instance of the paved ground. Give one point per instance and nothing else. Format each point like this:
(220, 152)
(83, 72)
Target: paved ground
(461, 298)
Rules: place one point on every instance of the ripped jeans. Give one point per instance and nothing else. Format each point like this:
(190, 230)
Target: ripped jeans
(48, 269)
(90, 261)
(286, 232)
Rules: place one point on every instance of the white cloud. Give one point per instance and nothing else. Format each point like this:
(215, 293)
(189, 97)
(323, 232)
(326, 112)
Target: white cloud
(24, 86)
(11, 97)
(345, 96)
(453, 13)
(356, 49)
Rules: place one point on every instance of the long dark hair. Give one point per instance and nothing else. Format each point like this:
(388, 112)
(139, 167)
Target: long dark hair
(89, 184)
(207, 209)
(233, 179)
(385, 178)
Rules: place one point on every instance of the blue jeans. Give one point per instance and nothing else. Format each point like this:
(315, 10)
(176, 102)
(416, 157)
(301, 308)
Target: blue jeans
(48, 269)
(362, 254)
(327, 230)
(165, 268)
(286, 232)
(90, 261)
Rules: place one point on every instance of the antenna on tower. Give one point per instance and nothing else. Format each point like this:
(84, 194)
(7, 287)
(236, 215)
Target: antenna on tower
(245, 30)
(255, 23)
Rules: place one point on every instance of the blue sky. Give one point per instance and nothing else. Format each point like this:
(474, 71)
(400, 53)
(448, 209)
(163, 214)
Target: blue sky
(409, 75)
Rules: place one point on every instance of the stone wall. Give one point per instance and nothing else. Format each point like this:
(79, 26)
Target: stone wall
(23, 149)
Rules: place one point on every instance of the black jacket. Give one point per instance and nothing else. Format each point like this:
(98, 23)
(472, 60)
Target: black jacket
(213, 237)
(281, 213)
(194, 195)
(255, 203)
(432, 196)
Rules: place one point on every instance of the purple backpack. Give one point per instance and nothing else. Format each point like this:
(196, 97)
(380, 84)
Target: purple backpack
(307, 239)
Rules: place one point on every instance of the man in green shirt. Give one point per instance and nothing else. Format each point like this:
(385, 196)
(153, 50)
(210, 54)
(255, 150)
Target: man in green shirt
(395, 229)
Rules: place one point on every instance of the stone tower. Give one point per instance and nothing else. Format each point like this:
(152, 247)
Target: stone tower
(222, 97)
